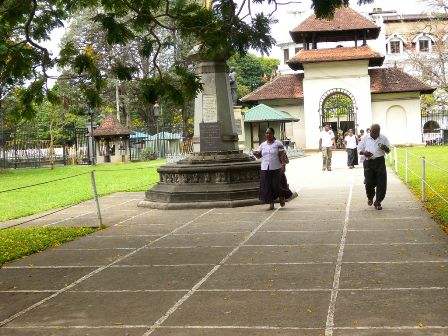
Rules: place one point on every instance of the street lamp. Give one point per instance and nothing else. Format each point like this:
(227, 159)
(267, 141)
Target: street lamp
(92, 158)
(156, 116)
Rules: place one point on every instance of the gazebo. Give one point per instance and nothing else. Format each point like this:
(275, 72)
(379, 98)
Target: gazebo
(260, 117)
(111, 141)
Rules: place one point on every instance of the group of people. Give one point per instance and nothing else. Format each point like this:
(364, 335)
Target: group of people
(371, 148)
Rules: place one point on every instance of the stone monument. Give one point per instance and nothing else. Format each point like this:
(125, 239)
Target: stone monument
(217, 174)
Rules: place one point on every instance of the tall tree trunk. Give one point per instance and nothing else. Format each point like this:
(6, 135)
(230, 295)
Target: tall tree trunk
(117, 98)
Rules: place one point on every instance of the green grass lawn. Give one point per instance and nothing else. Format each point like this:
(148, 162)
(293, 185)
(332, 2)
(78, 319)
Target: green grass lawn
(20, 242)
(31, 200)
(435, 177)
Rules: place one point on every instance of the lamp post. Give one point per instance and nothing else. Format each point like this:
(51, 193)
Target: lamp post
(92, 158)
(156, 116)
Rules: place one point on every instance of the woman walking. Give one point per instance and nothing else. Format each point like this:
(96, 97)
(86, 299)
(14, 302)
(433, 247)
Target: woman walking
(272, 153)
(350, 142)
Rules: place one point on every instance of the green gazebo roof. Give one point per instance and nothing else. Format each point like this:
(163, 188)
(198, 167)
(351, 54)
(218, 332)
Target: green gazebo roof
(263, 112)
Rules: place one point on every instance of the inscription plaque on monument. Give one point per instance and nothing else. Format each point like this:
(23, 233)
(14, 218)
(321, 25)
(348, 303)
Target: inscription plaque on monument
(238, 128)
(210, 136)
(209, 109)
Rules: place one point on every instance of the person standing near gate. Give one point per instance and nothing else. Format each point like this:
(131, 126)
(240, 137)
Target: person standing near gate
(374, 146)
(326, 143)
(350, 142)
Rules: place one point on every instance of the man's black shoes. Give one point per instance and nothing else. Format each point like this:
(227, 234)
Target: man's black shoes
(378, 206)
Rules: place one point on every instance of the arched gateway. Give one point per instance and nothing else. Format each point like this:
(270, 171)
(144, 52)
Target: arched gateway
(337, 107)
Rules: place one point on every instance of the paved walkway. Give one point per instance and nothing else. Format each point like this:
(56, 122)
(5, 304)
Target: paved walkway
(326, 264)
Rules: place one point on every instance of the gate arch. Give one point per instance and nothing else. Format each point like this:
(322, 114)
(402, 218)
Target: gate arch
(337, 107)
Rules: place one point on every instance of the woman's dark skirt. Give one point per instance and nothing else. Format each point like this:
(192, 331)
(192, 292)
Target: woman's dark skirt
(352, 157)
(272, 185)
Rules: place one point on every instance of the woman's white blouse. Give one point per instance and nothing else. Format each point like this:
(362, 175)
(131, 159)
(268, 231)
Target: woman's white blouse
(351, 141)
(269, 152)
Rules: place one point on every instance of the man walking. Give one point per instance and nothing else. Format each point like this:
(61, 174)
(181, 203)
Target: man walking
(374, 146)
(326, 143)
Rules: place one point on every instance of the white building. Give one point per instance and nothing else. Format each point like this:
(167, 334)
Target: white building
(336, 77)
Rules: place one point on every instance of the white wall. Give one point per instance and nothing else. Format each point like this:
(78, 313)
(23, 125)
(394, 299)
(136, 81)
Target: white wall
(321, 77)
(294, 130)
(399, 117)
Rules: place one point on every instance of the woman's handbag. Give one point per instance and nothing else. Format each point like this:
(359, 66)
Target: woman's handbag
(285, 158)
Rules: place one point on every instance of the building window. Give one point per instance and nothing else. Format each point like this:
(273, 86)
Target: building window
(285, 55)
(423, 45)
(296, 50)
(395, 47)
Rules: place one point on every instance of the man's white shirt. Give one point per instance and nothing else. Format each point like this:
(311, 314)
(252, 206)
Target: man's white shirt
(327, 138)
(372, 145)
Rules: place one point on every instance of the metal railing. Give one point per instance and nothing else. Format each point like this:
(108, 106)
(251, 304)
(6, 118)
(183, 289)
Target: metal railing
(393, 160)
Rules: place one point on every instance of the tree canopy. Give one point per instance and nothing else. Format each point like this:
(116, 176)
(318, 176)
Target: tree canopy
(220, 28)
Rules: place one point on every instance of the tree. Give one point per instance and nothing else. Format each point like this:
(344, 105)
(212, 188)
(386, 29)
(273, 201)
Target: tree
(250, 70)
(220, 28)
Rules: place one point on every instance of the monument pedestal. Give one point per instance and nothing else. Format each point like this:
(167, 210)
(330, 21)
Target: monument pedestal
(217, 174)
(206, 180)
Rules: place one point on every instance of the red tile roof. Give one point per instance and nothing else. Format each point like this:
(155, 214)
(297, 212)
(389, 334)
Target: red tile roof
(382, 80)
(342, 27)
(281, 87)
(345, 18)
(335, 54)
(389, 80)
(111, 126)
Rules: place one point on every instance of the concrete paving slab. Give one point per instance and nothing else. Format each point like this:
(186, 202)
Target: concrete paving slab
(114, 331)
(12, 303)
(177, 256)
(136, 230)
(395, 253)
(99, 309)
(60, 257)
(409, 275)
(272, 277)
(396, 308)
(408, 236)
(235, 332)
(235, 226)
(418, 331)
(105, 242)
(310, 215)
(34, 279)
(284, 254)
(225, 217)
(310, 225)
(391, 223)
(386, 212)
(295, 238)
(303, 205)
(202, 240)
(145, 278)
(278, 309)
(168, 217)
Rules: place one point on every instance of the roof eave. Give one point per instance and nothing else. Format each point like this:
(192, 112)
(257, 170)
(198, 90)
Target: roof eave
(422, 91)
(374, 61)
(334, 35)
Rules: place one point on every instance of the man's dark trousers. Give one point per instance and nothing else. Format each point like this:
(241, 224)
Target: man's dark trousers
(375, 177)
